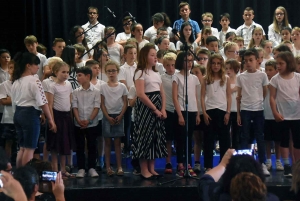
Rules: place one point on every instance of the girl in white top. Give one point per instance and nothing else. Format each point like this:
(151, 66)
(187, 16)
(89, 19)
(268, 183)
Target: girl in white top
(268, 49)
(78, 37)
(216, 108)
(296, 40)
(102, 57)
(179, 98)
(28, 97)
(115, 50)
(186, 33)
(137, 33)
(285, 105)
(113, 105)
(59, 95)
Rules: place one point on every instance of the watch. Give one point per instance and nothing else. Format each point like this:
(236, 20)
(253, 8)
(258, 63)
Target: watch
(90, 121)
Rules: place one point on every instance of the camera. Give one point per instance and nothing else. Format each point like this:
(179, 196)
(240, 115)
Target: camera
(244, 152)
(48, 176)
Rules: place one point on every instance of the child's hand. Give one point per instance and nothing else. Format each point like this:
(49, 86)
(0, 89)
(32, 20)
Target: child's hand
(158, 113)
(198, 120)
(238, 99)
(206, 118)
(111, 121)
(118, 119)
(226, 118)
(239, 121)
(278, 117)
(181, 121)
(43, 119)
(52, 126)
(164, 114)
(85, 123)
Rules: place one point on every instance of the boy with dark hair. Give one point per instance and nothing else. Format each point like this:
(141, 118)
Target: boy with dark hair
(212, 44)
(124, 36)
(225, 21)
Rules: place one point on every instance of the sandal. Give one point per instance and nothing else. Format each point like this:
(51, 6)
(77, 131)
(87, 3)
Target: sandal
(110, 172)
(120, 172)
(67, 175)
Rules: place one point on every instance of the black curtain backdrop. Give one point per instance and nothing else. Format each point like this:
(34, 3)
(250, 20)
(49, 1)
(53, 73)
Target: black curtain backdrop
(48, 19)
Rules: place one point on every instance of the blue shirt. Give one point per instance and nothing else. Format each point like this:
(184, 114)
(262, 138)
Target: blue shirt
(195, 26)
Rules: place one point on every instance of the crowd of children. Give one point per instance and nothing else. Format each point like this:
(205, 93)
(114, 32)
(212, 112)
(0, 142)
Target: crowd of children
(242, 89)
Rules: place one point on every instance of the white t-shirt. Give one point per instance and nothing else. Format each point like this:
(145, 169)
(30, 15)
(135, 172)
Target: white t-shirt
(95, 34)
(142, 44)
(267, 107)
(123, 36)
(287, 96)
(222, 35)
(216, 96)
(215, 32)
(273, 36)
(98, 86)
(152, 80)
(113, 97)
(167, 85)
(81, 64)
(160, 68)
(3, 77)
(43, 60)
(192, 82)
(263, 63)
(132, 95)
(151, 33)
(179, 44)
(47, 83)
(114, 52)
(127, 73)
(8, 114)
(61, 93)
(103, 77)
(28, 91)
(233, 99)
(252, 90)
(246, 32)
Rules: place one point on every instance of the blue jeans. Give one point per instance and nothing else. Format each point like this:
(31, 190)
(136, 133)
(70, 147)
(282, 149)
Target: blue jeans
(258, 124)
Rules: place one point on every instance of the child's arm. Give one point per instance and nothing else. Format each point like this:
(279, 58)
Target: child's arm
(198, 120)
(50, 103)
(121, 54)
(228, 97)
(238, 105)
(125, 103)
(5, 101)
(273, 91)
(265, 91)
(176, 103)
(163, 102)
(203, 94)
(132, 102)
(104, 111)
(50, 118)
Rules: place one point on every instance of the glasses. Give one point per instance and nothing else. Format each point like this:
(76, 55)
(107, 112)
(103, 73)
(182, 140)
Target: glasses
(202, 58)
(279, 14)
(235, 52)
(206, 21)
(93, 13)
(111, 71)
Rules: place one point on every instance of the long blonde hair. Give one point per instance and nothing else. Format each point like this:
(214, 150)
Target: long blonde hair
(252, 43)
(285, 22)
(209, 73)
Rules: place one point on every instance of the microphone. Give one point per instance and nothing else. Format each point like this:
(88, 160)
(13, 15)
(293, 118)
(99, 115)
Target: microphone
(133, 18)
(110, 11)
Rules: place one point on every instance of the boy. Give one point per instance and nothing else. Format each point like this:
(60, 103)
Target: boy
(169, 64)
(184, 12)
(240, 41)
(207, 20)
(246, 29)
(124, 36)
(41, 49)
(224, 21)
(212, 44)
(203, 56)
(231, 51)
(80, 50)
(86, 104)
(271, 129)
(31, 45)
(252, 89)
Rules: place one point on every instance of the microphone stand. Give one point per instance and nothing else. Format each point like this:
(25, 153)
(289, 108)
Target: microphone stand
(187, 174)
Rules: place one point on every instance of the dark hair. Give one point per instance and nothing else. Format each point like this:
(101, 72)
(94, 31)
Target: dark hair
(73, 38)
(4, 51)
(142, 59)
(282, 48)
(179, 63)
(160, 53)
(272, 63)
(289, 59)
(182, 4)
(225, 15)
(98, 53)
(210, 39)
(191, 38)
(251, 51)
(132, 28)
(241, 53)
(234, 64)
(40, 48)
(229, 34)
(288, 29)
(94, 8)
(91, 62)
(40, 165)
(22, 59)
(249, 9)
(128, 47)
(167, 21)
(68, 56)
(160, 40)
(28, 178)
(57, 40)
(85, 70)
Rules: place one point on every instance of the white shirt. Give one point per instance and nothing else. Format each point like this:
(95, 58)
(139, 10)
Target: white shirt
(179, 44)
(296, 52)
(28, 91)
(61, 93)
(246, 32)
(267, 107)
(132, 95)
(222, 34)
(263, 63)
(142, 44)
(113, 97)
(81, 64)
(8, 114)
(103, 77)
(47, 83)
(98, 86)
(252, 89)
(216, 96)
(114, 52)
(273, 36)
(123, 36)
(95, 34)
(167, 85)
(152, 80)
(3, 77)
(215, 32)
(43, 60)
(287, 96)
(233, 99)
(160, 68)
(85, 101)
(192, 82)
(127, 73)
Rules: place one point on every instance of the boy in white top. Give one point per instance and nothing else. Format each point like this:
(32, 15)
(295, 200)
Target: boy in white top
(124, 36)
(246, 29)
(207, 20)
(225, 21)
(252, 89)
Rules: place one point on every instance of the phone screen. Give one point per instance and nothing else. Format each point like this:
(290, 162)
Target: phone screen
(243, 152)
(49, 176)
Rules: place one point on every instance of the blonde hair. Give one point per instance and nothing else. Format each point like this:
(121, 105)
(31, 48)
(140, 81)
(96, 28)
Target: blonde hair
(169, 56)
(58, 65)
(229, 45)
(251, 44)
(53, 60)
(112, 63)
(207, 14)
(296, 29)
(286, 42)
(238, 39)
(285, 23)
(201, 68)
(209, 75)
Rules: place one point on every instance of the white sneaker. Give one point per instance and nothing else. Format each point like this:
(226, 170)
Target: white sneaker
(80, 173)
(265, 170)
(93, 173)
(279, 166)
(269, 166)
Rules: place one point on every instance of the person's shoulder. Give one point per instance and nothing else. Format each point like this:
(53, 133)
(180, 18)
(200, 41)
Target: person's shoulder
(41, 56)
(271, 26)
(257, 25)
(85, 25)
(271, 197)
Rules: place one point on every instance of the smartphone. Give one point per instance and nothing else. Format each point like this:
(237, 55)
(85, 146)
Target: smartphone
(49, 176)
(244, 152)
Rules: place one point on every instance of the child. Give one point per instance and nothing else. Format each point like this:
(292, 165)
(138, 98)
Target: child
(137, 33)
(59, 95)
(169, 64)
(163, 31)
(158, 22)
(115, 50)
(163, 43)
(225, 21)
(178, 93)
(240, 41)
(296, 40)
(41, 49)
(8, 132)
(27, 91)
(78, 37)
(31, 45)
(260, 58)
(252, 89)
(184, 12)
(186, 34)
(280, 20)
(133, 41)
(231, 51)
(200, 72)
(216, 104)
(203, 56)
(205, 32)
(113, 105)
(212, 44)
(286, 34)
(232, 68)
(267, 45)
(69, 55)
(207, 20)
(149, 114)
(271, 129)
(257, 37)
(229, 36)
(124, 36)
(80, 51)
(245, 30)
(102, 57)
(86, 104)
(285, 102)
(298, 64)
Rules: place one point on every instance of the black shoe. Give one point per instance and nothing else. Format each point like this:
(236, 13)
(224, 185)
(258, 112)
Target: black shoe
(152, 177)
(287, 171)
(159, 176)
(137, 171)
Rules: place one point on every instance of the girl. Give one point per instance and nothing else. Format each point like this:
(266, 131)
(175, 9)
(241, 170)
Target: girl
(260, 58)
(162, 31)
(137, 33)
(158, 21)
(286, 34)
(28, 97)
(115, 50)
(280, 20)
(149, 140)
(216, 111)
(102, 57)
(205, 32)
(267, 46)
(296, 41)
(257, 38)
(69, 55)
(186, 34)
(163, 43)
(230, 36)
(178, 95)
(60, 105)
(113, 105)
(77, 37)
(232, 67)
(285, 104)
